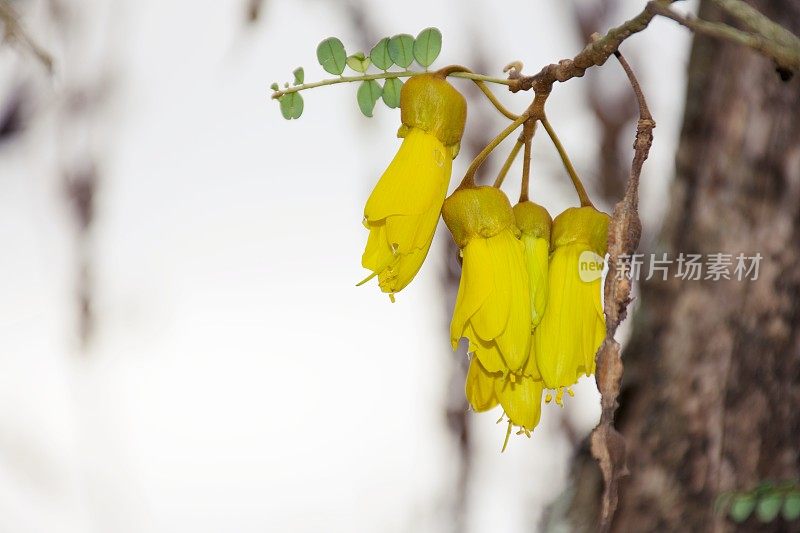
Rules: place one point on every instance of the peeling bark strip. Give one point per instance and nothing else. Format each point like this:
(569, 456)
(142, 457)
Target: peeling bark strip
(624, 232)
(712, 388)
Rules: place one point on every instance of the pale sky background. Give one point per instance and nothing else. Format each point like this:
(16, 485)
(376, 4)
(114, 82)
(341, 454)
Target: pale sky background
(237, 379)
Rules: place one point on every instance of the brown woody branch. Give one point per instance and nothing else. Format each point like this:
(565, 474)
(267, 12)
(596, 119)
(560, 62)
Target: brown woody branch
(768, 38)
(608, 446)
(594, 54)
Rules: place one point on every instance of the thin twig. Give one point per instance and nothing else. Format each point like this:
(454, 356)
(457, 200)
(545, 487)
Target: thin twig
(382, 76)
(624, 232)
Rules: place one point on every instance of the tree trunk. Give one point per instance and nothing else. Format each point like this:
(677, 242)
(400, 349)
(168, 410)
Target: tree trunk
(711, 397)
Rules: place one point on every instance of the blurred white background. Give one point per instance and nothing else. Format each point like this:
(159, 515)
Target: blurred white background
(231, 376)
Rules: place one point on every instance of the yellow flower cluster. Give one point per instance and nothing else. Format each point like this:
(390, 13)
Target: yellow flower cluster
(529, 297)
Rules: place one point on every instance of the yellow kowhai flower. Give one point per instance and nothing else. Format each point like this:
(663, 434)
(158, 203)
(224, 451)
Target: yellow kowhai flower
(534, 223)
(403, 209)
(573, 326)
(492, 307)
(520, 396)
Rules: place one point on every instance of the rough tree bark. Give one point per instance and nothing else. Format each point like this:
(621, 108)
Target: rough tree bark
(712, 384)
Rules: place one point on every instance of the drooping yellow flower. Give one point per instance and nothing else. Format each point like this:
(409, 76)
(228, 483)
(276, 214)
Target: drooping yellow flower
(403, 209)
(573, 326)
(534, 223)
(493, 305)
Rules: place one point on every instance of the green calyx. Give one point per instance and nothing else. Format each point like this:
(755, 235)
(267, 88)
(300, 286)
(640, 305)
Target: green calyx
(533, 219)
(430, 103)
(582, 224)
(477, 212)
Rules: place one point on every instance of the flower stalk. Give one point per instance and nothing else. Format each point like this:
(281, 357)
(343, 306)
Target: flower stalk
(573, 175)
(469, 176)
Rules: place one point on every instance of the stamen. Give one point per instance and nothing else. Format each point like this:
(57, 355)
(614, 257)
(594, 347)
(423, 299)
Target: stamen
(391, 296)
(438, 157)
(548, 398)
(363, 281)
(508, 434)
(560, 397)
(571, 392)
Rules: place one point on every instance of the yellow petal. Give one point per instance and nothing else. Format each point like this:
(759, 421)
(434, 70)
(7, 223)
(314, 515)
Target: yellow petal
(486, 351)
(415, 181)
(531, 368)
(412, 232)
(571, 329)
(403, 210)
(537, 254)
(521, 400)
(480, 387)
(512, 277)
(493, 303)
(487, 257)
(378, 254)
(473, 289)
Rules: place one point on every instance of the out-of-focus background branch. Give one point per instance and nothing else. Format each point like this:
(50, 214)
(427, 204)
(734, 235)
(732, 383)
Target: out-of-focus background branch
(14, 33)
